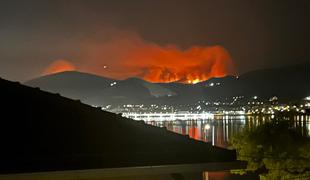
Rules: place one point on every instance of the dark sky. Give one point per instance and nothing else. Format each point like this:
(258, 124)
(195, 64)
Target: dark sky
(257, 33)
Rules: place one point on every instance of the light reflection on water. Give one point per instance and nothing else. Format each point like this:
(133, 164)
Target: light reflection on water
(219, 130)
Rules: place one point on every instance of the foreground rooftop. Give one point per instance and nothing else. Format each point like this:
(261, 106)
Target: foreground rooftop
(44, 132)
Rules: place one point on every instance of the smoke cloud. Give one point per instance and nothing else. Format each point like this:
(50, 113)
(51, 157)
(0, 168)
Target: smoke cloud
(123, 54)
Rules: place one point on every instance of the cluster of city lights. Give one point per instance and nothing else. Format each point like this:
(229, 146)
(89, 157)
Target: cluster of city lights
(254, 105)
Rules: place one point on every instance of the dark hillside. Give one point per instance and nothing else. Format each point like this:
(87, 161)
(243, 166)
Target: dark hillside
(45, 131)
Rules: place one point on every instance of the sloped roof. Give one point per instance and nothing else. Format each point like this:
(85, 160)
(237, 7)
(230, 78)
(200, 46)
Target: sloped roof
(41, 131)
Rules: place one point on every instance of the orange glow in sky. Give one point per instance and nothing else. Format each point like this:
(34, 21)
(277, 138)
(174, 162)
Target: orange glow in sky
(125, 54)
(59, 66)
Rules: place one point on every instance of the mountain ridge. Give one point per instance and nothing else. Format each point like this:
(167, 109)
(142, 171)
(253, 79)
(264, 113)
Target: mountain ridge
(289, 83)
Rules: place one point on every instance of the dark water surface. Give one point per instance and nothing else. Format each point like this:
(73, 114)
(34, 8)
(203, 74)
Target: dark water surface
(219, 130)
(222, 129)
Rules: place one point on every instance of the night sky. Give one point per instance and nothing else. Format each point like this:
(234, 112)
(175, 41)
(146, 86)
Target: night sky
(256, 33)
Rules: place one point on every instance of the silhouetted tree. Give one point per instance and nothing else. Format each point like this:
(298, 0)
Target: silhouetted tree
(275, 150)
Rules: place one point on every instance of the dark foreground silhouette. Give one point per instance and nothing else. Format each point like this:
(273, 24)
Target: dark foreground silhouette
(41, 131)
